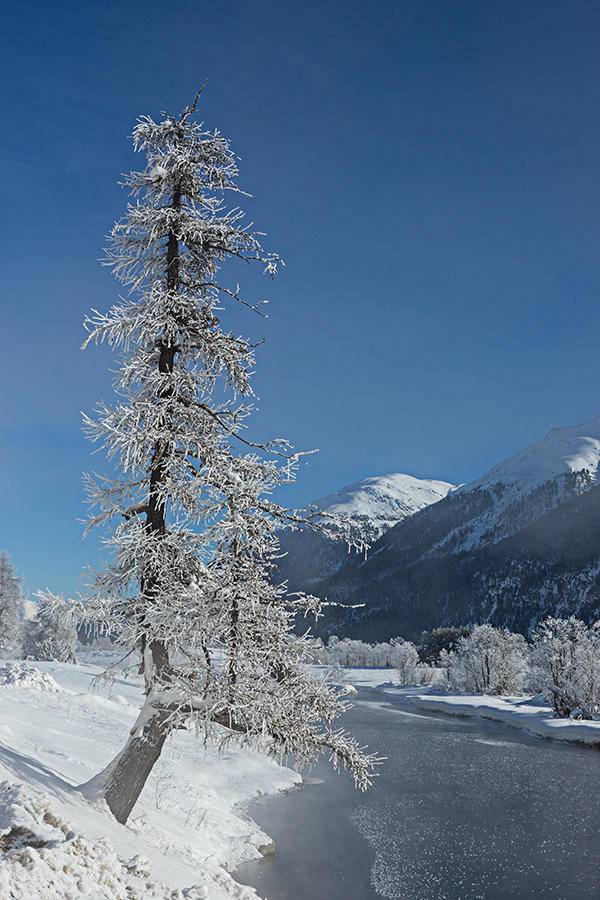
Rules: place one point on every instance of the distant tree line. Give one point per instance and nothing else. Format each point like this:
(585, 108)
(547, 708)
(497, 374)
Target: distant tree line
(561, 661)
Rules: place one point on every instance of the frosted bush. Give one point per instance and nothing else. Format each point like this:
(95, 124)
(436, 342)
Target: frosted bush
(425, 674)
(11, 606)
(405, 658)
(50, 635)
(488, 661)
(566, 665)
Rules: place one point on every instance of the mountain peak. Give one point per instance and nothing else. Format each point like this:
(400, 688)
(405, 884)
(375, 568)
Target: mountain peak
(384, 499)
(571, 448)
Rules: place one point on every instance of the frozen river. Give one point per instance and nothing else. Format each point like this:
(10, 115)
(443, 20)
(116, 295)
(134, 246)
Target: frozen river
(462, 810)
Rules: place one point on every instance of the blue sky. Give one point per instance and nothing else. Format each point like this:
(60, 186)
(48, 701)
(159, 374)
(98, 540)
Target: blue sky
(428, 170)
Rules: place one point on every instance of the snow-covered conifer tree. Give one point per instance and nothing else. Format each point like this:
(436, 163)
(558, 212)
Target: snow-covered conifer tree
(11, 606)
(191, 525)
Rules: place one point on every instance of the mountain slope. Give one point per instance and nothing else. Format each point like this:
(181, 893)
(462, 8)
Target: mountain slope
(384, 500)
(513, 546)
(374, 505)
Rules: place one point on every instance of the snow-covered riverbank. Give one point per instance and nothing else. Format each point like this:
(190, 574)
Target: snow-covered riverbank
(56, 731)
(529, 713)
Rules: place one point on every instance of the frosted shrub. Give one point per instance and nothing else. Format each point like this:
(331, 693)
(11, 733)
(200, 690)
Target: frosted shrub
(398, 653)
(566, 665)
(488, 661)
(382, 654)
(405, 660)
(11, 606)
(348, 652)
(318, 653)
(425, 674)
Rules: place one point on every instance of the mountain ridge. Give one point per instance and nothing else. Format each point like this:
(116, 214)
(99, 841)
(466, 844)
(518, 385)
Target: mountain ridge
(373, 504)
(477, 554)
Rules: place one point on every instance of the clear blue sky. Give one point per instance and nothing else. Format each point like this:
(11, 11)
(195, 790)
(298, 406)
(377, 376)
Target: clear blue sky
(428, 170)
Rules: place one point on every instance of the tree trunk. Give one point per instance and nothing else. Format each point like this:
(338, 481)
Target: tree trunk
(122, 781)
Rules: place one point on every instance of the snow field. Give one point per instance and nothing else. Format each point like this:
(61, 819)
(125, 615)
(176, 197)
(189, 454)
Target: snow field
(189, 820)
(46, 858)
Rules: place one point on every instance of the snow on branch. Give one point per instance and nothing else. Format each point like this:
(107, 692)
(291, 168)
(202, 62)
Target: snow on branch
(189, 520)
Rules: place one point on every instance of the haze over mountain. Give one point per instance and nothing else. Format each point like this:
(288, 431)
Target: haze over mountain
(517, 544)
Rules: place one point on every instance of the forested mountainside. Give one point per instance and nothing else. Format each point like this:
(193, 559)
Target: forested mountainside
(517, 544)
(539, 555)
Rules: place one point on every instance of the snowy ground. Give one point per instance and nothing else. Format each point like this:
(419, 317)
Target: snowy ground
(56, 731)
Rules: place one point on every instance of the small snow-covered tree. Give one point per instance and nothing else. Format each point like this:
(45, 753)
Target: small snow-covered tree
(566, 665)
(49, 635)
(405, 659)
(488, 661)
(11, 607)
(191, 525)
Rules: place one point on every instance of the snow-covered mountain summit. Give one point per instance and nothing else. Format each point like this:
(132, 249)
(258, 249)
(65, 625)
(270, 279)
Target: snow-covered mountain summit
(532, 482)
(563, 450)
(375, 504)
(384, 500)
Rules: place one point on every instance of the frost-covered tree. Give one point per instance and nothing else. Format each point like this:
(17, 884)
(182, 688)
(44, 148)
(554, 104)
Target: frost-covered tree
(190, 522)
(566, 665)
(11, 607)
(488, 661)
(49, 635)
(405, 659)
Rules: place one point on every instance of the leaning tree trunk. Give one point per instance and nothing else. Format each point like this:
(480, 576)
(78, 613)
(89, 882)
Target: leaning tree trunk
(122, 781)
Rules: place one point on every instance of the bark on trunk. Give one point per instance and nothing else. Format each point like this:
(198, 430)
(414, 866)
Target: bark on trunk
(122, 781)
(131, 768)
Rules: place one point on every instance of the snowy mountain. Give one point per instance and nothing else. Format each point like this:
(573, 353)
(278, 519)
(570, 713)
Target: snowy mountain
(563, 450)
(375, 504)
(384, 500)
(530, 483)
(521, 542)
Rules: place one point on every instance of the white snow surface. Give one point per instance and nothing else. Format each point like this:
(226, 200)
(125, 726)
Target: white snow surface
(384, 499)
(58, 729)
(24, 675)
(568, 449)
